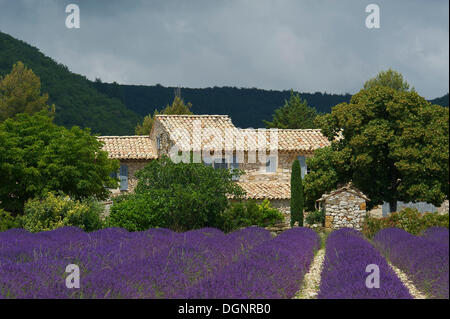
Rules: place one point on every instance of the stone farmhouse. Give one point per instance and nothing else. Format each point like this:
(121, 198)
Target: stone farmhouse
(266, 156)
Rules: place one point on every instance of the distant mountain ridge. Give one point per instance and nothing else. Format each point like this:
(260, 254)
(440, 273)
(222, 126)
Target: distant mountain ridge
(246, 107)
(115, 109)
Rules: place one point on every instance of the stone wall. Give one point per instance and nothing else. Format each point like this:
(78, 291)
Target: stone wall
(284, 206)
(256, 172)
(443, 208)
(344, 209)
(133, 167)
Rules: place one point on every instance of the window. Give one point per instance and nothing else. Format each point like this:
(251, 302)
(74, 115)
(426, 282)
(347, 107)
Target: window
(123, 177)
(304, 169)
(158, 142)
(271, 164)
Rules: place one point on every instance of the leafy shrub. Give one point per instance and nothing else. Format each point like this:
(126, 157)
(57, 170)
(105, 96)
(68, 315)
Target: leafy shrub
(55, 211)
(408, 219)
(179, 196)
(7, 221)
(249, 213)
(315, 217)
(136, 212)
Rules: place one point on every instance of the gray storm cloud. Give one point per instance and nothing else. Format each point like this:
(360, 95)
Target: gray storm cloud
(305, 45)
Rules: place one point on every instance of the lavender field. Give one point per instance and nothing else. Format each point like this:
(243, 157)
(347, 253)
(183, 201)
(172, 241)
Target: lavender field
(157, 263)
(206, 263)
(425, 259)
(344, 270)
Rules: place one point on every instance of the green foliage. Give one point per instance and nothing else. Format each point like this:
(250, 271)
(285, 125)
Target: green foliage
(328, 168)
(389, 78)
(408, 219)
(7, 221)
(295, 114)
(179, 196)
(37, 156)
(55, 211)
(20, 92)
(316, 217)
(395, 145)
(177, 108)
(297, 196)
(138, 212)
(249, 213)
(77, 100)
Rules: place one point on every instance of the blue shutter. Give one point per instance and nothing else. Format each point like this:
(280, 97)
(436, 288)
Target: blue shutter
(271, 164)
(123, 176)
(303, 168)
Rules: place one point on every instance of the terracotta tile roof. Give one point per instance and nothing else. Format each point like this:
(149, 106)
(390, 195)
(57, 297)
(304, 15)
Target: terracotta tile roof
(215, 130)
(269, 190)
(307, 140)
(129, 147)
(295, 139)
(345, 188)
(218, 132)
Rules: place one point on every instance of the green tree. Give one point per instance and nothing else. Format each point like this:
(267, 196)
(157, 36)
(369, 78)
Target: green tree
(389, 78)
(20, 92)
(179, 196)
(178, 107)
(395, 144)
(328, 167)
(38, 156)
(297, 196)
(295, 114)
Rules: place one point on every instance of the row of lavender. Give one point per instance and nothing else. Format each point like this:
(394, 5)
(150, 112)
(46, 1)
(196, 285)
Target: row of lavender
(349, 261)
(156, 263)
(271, 270)
(425, 259)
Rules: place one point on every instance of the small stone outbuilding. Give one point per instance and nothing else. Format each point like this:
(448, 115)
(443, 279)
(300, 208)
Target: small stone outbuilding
(344, 207)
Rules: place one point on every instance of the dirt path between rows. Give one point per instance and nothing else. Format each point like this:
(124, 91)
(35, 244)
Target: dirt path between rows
(311, 282)
(408, 283)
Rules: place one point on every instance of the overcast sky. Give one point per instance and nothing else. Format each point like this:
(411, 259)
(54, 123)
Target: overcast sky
(305, 45)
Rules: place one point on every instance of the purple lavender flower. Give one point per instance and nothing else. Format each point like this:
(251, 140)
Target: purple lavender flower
(344, 270)
(424, 259)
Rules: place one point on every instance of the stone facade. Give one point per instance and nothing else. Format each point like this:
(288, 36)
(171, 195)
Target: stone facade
(284, 206)
(345, 207)
(256, 172)
(443, 209)
(133, 167)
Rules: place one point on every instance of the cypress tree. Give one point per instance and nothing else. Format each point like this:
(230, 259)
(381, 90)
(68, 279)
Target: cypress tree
(297, 197)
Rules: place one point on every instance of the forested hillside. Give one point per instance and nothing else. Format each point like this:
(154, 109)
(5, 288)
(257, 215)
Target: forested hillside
(114, 109)
(247, 107)
(76, 99)
(443, 100)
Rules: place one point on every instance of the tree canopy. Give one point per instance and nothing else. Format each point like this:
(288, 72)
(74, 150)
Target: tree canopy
(294, 114)
(38, 156)
(389, 78)
(179, 196)
(394, 146)
(20, 92)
